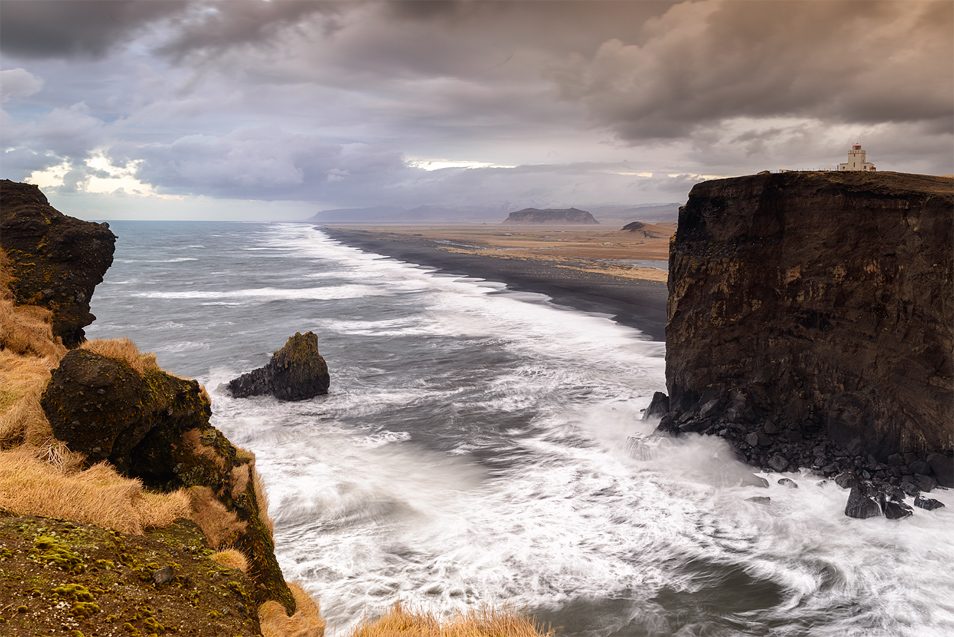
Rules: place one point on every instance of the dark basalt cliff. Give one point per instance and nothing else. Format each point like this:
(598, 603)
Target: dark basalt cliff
(811, 322)
(56, 260)
(566, 216)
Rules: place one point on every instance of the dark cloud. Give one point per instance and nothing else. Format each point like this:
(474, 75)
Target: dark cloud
(68, 28)
(217, 26)
(707, 62)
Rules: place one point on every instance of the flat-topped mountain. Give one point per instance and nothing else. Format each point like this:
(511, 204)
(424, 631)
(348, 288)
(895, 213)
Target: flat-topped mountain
(564, 216)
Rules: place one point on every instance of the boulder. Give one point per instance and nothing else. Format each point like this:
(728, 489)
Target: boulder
(897, 510)
(863, 502)
(295, 372)
(56, 261)
(928, 504)
(943, 468)
(658, 406)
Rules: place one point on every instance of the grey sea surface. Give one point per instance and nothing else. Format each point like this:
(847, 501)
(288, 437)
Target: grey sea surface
(473, 450)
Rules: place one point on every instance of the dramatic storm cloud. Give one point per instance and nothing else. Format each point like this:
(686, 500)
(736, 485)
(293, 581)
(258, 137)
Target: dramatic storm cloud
(302, 106)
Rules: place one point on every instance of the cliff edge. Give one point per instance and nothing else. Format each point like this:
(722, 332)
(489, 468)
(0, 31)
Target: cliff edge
(811, 322)
(55, 261)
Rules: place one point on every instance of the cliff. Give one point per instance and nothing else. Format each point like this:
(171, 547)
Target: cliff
(55, 261)
(567, 216)
(811, 322)
(100, 436)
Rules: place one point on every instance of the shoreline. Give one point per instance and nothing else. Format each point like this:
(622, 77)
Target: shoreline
(636, 303)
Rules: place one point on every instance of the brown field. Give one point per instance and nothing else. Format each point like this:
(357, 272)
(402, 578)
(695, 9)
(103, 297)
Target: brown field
(582, 248)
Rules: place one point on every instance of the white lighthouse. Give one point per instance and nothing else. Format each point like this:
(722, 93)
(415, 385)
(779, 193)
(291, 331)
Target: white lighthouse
(856, 160)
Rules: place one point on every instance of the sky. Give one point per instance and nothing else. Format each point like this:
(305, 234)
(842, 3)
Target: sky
(255, 109)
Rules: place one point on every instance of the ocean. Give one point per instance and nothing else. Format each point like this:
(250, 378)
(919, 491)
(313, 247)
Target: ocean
(484, 446)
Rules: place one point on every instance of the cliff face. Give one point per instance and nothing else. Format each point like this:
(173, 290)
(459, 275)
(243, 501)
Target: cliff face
(811, 309)
(56, 261)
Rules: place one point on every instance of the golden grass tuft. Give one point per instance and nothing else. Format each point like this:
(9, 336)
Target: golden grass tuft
(231, 558)
(193, 438)
(219, 525)
(306, 622)
(124, 350)
(482, 622)
(23, 420)
(98, 495)
(262, 500)
(239, 479)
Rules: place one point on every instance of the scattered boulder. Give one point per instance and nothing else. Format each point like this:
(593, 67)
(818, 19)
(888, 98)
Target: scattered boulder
(862, 503)
(760, 499)
(56, 261)
(897, 510)
(788, 482)
(929, 504)
(296, 372)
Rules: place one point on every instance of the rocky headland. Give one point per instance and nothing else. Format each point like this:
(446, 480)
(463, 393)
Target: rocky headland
(56, 261)
(811, 325)
(562, 216)
(95, 434)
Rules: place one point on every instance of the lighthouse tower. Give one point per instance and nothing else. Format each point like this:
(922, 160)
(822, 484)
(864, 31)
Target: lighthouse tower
(856, 160)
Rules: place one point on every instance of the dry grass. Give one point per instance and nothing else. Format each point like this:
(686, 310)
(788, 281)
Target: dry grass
(231, 558)
(239, 479)
(262, 500)
(22, 419)
(124, 350)
(484, 622)
(219, 525)
(306, 622)
(32, 486)
(193, 438)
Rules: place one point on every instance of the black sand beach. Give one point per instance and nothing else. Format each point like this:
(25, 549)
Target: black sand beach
(634, 303)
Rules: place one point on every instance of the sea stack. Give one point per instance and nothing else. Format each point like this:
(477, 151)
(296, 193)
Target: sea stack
(816, 310)
(295, 372)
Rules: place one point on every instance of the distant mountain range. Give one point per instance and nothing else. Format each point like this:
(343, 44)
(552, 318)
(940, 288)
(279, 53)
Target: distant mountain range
(485, 214)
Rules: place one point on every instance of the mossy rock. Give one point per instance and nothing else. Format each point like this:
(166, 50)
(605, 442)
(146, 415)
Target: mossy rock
(155, 427)
(56, 261)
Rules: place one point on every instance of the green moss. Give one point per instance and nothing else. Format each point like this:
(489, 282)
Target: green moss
(84, 609)
(76, 592)
(106, 565)
(51, 550)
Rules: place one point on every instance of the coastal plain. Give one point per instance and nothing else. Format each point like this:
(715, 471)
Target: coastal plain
(601, 269)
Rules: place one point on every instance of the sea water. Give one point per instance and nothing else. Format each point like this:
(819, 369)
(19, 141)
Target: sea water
(472, 450)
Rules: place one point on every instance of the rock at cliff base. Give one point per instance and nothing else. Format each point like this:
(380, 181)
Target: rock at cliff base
(943, 468)
(296, 372)
(658, 406)
(861, 504)
(928, 504)
(56, 261)
(897, 511)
